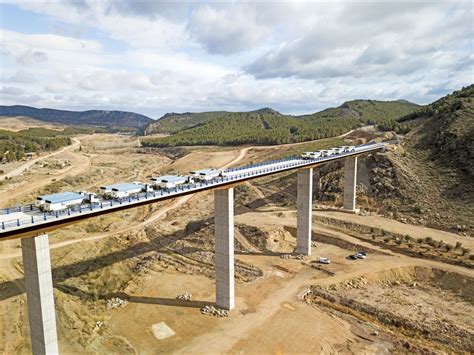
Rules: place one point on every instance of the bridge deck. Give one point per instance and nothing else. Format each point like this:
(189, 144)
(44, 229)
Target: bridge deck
(27, 221)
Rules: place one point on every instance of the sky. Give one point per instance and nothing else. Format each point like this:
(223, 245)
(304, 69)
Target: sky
(155, 57)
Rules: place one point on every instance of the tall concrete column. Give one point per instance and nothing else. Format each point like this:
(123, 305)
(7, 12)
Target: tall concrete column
(39, 294)
(304, 206)
(224, 254)
(350, 181)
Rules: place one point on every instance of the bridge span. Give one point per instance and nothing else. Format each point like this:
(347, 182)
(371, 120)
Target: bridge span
(32, 225)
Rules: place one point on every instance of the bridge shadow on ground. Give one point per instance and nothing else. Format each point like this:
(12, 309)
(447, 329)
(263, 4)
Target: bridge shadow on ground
(162, 301)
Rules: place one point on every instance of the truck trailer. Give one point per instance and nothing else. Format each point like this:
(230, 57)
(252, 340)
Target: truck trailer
(170, 181)
(205, 174)
(123, 190)
(59, 201)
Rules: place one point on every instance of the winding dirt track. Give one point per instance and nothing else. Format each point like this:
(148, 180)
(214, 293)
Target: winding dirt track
(81, 166)
(29, 163)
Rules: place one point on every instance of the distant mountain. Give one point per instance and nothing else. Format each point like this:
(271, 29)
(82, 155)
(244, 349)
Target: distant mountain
(174, 122)
(84, 118)
(267, 126)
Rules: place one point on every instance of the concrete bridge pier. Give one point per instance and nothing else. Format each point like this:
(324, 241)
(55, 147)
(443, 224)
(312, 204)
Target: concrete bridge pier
(39, 294)
(304, 205)
(350, 181)
(224, 248)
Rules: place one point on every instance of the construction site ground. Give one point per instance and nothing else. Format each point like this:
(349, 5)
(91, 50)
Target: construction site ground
(149, 256)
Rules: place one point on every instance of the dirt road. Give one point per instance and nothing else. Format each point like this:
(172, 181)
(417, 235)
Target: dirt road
(17, 171)
(81, 165)
(391, 225)
(244, 326)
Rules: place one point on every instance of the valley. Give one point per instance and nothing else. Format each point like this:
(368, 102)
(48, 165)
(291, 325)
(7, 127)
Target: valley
(148, 256)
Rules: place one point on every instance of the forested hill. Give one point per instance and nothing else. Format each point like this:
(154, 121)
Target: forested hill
(446, 131)
(267, 126)
(14, 145)
(174, 122)
(84, 118)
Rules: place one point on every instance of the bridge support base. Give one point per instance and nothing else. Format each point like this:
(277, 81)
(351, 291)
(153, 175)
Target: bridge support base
(39, 294)
(304, 211)
(224, 248)
(350, 181)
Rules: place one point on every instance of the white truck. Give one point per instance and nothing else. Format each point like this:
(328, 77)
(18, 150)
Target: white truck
(170, 181)
(205, 174)
(311, 155)
(124, 190)
(89, 197)
(348, 149)
(59, 201)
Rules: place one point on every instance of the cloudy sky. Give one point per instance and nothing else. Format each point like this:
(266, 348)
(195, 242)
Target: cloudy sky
(157, 57)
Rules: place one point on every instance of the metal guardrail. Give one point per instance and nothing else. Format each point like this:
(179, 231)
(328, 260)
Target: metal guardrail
(37, 220)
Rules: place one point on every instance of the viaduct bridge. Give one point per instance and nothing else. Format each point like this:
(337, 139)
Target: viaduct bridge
(31, 226)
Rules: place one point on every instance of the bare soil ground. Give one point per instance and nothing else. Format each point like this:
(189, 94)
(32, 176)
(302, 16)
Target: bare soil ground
(19, 123)
(148, 256)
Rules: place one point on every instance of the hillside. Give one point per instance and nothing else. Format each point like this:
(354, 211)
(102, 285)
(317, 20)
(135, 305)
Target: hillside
(174, 122)
(15, 145)
(428, 178)
(267, 126)
(434, 169)
(84, 118)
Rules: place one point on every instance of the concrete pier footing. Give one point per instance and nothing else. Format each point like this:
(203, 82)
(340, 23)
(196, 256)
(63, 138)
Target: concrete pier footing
(304, 211)
(39, 294)
(350, 181)
(224, 248)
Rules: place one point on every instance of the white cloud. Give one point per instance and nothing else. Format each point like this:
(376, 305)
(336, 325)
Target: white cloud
(153, 57)
(226, 30)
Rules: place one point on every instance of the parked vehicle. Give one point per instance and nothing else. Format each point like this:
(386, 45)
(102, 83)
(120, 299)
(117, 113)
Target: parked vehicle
(361, 255)
(323, 260)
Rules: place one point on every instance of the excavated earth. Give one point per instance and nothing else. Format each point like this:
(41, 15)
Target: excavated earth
(433, 307)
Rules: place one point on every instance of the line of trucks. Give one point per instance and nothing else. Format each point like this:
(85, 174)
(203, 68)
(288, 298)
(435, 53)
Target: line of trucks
(65, 200)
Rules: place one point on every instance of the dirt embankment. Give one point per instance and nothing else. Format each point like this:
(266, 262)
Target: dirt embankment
(430, 307)
(409, 244)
